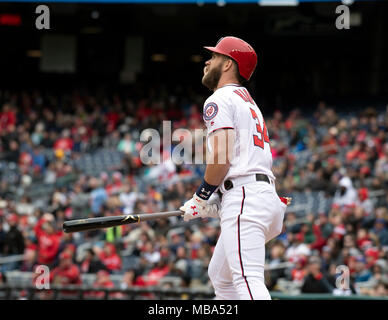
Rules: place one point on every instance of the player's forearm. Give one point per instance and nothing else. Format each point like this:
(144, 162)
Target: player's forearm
(215, 173)
(218, 162)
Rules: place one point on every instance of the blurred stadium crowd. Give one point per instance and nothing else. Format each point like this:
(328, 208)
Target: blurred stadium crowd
(77, 155)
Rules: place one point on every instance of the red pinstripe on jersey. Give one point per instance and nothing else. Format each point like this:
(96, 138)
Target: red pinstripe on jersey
(239, 244)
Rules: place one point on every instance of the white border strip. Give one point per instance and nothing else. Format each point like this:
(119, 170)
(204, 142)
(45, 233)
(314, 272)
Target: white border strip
(267, 3)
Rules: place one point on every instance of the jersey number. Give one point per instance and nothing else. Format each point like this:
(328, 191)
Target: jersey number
(263, 133)
(244, 94)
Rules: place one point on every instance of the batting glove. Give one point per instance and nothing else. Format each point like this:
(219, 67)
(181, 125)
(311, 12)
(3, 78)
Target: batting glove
(194, 208)
(213, 206)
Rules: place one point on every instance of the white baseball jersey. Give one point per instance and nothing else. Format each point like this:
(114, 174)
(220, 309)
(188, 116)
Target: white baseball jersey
(231, 106)
(250, 214)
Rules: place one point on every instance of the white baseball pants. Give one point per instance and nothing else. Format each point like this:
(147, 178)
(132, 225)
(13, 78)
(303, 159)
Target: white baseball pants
(251, 215)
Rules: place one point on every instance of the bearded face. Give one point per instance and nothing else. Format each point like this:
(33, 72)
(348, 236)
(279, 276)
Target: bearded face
(212, 72)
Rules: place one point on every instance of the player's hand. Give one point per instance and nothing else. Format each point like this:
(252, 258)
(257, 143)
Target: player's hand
(212, 209)
(194, 208)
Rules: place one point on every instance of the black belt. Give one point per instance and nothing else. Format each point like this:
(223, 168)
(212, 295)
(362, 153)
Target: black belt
(228, 184)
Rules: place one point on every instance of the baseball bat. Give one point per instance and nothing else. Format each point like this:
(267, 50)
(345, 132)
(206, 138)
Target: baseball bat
(107, 222)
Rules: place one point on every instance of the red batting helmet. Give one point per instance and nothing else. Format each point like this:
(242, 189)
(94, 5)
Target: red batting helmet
(240, 51)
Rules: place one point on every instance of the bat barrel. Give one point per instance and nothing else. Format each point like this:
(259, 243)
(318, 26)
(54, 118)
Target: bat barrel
(112, 221)
(95, 223)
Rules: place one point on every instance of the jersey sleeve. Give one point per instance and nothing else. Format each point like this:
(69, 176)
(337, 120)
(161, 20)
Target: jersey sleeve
(217, 114)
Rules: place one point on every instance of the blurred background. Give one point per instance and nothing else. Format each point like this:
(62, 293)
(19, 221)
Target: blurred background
(75, 98)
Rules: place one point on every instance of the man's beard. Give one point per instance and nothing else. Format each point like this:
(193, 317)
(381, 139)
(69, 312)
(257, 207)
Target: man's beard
(211, 79)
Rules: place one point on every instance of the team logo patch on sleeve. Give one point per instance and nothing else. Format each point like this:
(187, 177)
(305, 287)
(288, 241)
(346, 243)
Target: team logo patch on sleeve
(210, 111)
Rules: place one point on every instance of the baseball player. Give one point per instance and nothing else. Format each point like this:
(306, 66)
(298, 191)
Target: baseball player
(240, 189)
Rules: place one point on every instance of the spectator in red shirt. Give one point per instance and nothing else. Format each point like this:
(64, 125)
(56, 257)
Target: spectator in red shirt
(143, 110)
(116, 185)
(372, 255)
(363, 238)
(112, 118)
(103, 280)
(7, 117)
(25, 159)
(299, 272)
(65, 142)
(358, 152)
(109, 257)
(156, 274)
(66, 273)
(329, 142)
(48, 239)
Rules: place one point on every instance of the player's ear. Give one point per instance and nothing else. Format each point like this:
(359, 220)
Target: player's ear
(228, 64)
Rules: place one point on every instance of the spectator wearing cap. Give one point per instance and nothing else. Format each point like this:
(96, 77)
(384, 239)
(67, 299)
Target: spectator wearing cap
(67, 272)
(371, 255)
(48, 239)
(13, 241)
(362, 273)
(315, 281)
(109, 257)
(364, 202)
(299, 272)
(69, 248)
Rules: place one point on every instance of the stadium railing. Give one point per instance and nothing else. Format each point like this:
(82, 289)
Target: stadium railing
(75, 292)
(322, 296)
(80, 292)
